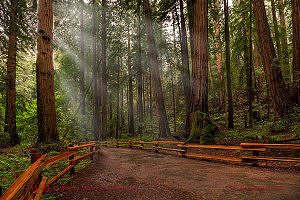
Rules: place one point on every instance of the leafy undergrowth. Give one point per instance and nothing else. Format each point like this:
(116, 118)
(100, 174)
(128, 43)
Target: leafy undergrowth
(263, 131)
(13, 164)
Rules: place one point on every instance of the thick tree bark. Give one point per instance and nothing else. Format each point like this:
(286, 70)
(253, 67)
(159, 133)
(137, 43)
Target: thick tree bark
(10, 109)
(130, 92)
(158, 94)
(278, 91)
(82, 60)
(222, 92)
(95, 77)
(296, 50)
(47, 130)
(186, 68)
(228, 73)
(200, 60)
(139, 77)
(103, 62)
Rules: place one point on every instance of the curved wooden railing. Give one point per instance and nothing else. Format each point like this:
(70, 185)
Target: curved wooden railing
(22, 188)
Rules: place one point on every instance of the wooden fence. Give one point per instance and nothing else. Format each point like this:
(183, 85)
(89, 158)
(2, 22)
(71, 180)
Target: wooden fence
(21, 188)
(182, 148)
(32, 178)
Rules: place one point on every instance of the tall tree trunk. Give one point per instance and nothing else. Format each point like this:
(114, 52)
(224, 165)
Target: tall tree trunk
(103, 61)
(158, 94)
(249, 66)
(210, 76)
(190, 14)
(82, 60)
(251, 70)
(228, 73)
(130, 92)
(95, 77)
(172, 77)
(296, 50)
(47, 130)
(150, 96)
(186, 68)
(222, 92)
(200, 72)
(10, 109)
(118, 100)
(284, 42)
(139, 77)
(278, 91)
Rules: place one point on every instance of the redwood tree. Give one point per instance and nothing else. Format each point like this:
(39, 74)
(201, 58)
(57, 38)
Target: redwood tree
(278, 90)
(200, 58)
(47, 131)
(156, 81)
(10, 111)
(186, 67)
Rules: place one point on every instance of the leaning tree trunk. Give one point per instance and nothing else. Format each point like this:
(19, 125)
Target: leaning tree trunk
(139, 77)
(10, 109)
(130, 93)
(47, 130)
(200, 60)
(158, 94)
(228, 74)
(296, 50)
(186, 68)
(103, 62)
(278, 90)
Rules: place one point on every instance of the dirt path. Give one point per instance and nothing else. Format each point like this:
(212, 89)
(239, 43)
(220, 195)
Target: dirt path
(134, 174)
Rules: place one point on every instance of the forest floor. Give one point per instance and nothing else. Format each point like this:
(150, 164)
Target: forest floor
(134, 174)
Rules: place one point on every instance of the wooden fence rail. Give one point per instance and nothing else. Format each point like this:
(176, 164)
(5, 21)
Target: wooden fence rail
(182, 148)
(22, 188)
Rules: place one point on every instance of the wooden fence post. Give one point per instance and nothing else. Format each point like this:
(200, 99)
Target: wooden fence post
(34, 156)
(92, 155)
(72, 171)
(255, 162)
(184, 152)
(156, 149)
